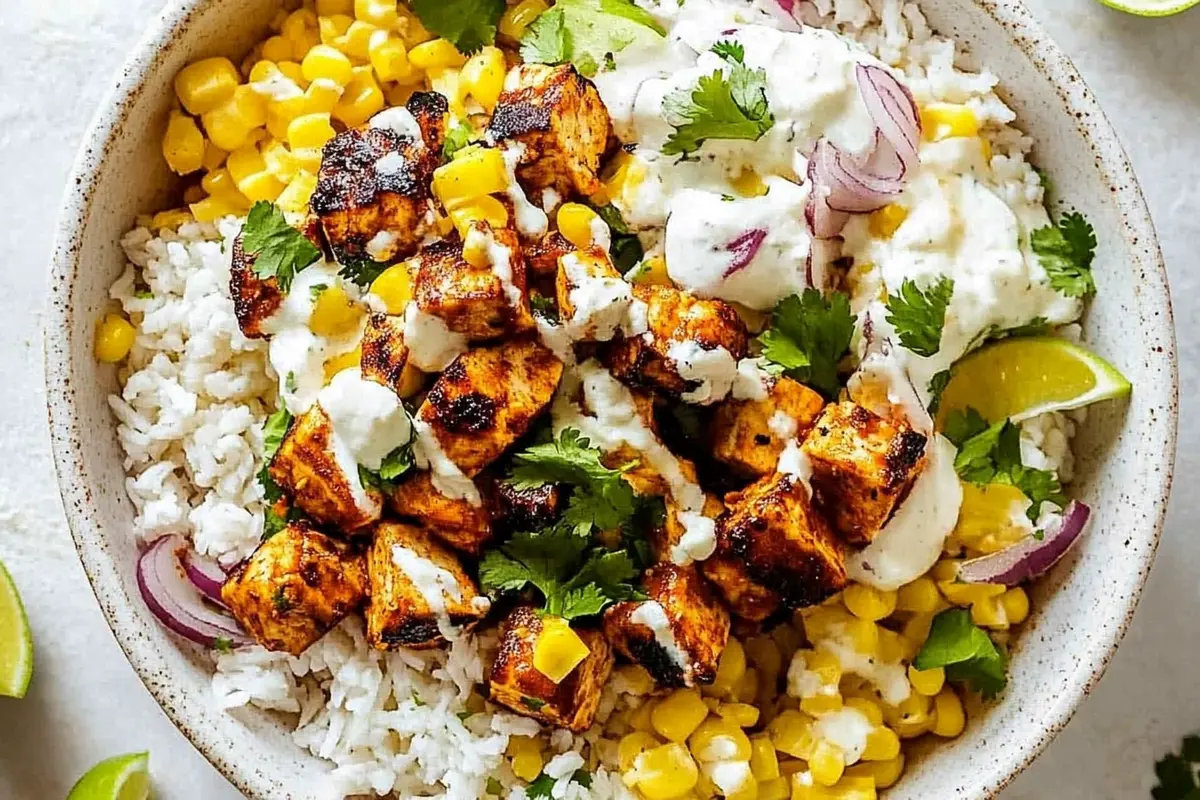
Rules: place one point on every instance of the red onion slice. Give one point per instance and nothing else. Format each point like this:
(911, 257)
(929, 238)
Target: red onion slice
(177, 603)
(893, 110)
(1029, 558)
(744, 249)
(823, 221)
(205, 574)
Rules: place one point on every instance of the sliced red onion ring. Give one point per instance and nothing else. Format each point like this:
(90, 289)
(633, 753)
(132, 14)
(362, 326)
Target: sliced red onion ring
(744, 249)
(852, 187)
(1029, 558)
(893, 110)
(205, 574)
(177, 603)
(823, 221)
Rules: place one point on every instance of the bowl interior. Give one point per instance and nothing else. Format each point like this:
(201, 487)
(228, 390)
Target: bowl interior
(1124, 452)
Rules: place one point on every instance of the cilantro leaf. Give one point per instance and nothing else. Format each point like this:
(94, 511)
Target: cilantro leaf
(223, 645)
(362, 271)
(468, 24)
(937, 385)
(919, 316)
(396, 463)
(280, 250)
(626, 248)
(545, 307)
(1066, 251)
(540, 788)
(808, 336)
(966, 651)
(494, 787)
(274, 429)
(587, 33)
(730, 51)
(1038, 326)
(457, 138)
(1176, 772)
(732, 106)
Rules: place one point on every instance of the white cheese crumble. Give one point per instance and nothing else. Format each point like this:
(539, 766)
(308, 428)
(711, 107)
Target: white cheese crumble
(651, 614)
(752, 382)
(381, 244)
(603, 305)
(366, 416)
(848, 729)
(399, 120)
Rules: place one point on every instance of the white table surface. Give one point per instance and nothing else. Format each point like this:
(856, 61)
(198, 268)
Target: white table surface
(86, 704)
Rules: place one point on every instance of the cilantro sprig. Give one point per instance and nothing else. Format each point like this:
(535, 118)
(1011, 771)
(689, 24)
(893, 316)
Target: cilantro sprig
(966, 651)
(280, 250)
(626, 249)
(808, 336)
(362, 271)
(1176, 772)
(919, 316)
(721, 106)
(1066, 251)
(587, 33)
(457, 138)
(468, 24)
(274, 429)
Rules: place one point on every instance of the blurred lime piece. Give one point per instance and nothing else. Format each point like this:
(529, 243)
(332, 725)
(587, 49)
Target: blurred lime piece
(1020, 378)
(1151, 8)
(120, 778)
(16, 643)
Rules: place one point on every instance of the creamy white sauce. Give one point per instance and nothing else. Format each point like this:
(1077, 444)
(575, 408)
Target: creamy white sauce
(783, 425)
(911, 541)
(890, 678)
(752, 382)
(531, 221)
(432, 346)
(381, 245)
(715, 370)
(551, 199)
(848, 729)
(399, 120)
(367, 417)
(277, 87)
(601, 234)
(390, 165)
(500, 257)
(434, 584)
(447, 478)
(603, 305)
(557, 340)
(651, 614)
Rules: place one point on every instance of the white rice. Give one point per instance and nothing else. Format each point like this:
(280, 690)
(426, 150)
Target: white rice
(196, 392)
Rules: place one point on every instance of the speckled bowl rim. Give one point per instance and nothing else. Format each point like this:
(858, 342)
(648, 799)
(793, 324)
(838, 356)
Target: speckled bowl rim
(172, 23)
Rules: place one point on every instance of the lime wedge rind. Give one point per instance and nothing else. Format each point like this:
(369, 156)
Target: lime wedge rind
(124, 777)
(16, 640)
(1151, 8)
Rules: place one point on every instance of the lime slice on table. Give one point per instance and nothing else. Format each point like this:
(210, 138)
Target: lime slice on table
(16, 643)
(1020, 378)
(120, 778)
(1150, 8)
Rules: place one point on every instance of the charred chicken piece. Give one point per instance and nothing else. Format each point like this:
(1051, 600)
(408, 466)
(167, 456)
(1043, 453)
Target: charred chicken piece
(255, 299)
(458, 523)
(384, 354)
(745, 434)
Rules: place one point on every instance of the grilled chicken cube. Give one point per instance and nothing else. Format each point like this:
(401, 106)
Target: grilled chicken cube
(526, 509)
(557, 115)
(308, 469)
(862, 467)
(295, 588)
(384, 354)
(678, 634)
(487, 399)
(373, 189)
(675, 318)
(420, 593)
(665, 540)
(542, 257)
(594, 301)
(772, 538)
(749, 435)
(517, 684)
(458, 523)
(748, 600)
(255, 299)
(474, 299)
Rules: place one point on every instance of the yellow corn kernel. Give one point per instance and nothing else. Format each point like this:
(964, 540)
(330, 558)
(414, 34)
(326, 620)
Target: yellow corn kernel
(821, 704)
(362, 100)
(279, 160)
(867, 707)
(989, 613)
(474, 172)
(483, 77)
(329, 63)
(642, 717)
(334, 313)
(945, 570)
(749, 183)
(792, 766)
(437, 54)
(302, 30)
(244, 162)
(882, 744)
(333, 28)
(517, 18)
(412, 381)
(262, 186)
(211, 209)
(944, 120)
(778, 788)
(575, 222)
(892, 646)
(678, 714)
(310, 130)
(825, 664)
(214, 157)
(664, 772)
(921, 596)
(633, 745)
(950, 719)
(884, 223)
(732, 665)
(821, 622)
(558, 650)
(221, 184)
(206, 85)
(927, 681)
(712, 703)
(343, 362)
(1016, 605)
(764, 763)
(827, 763)
(394, 288)
(293, 71)
(743, 715)
(746, 690)
(308, 159)
(231, 124)
(326, 8)
(114, 339)
(624, 173)
(477, 247)
(481, 209)
(183, 144)
(277, 48)
(916, 630)
(791, 733)
(718, 739)
(410, 28)
(389, 58)
(965, 594)
(321, 97)
(867, 602)
(399, 94)
(636, 679)
(526, 754)
(912, 717)
(884, 773)
(380, 13)
(865, 636)
(849, 788)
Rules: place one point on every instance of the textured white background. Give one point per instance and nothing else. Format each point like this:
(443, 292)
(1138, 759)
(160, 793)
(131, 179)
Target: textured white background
(86, 703)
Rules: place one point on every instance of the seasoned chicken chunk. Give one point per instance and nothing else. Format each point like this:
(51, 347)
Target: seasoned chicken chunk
(384, 353)
(487, 399)
(526, 509)
(771, 537)
(665, 539)
(324, 488)
(678, 634)
(295, 587)
(674, 318)
(542, 257)
(420, 593)
(557, 115)
(517, 684)
(862, 467)
(595, 304)
(465, 527)
(749, 435)
(373, 190)
(255, 299)
(484, 301)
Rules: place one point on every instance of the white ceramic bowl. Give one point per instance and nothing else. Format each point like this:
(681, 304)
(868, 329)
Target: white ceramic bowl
(1125, 452)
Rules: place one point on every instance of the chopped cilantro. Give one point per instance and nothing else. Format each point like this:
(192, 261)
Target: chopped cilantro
(919, 316)
(1066, 251)
(468, 24)
(273, 522)
(626, 249)
(808, 336)
(144, 294)
(1044, 179)
(722, 106)
(1176, 772)
(730, 51)
(280, 601)
(545, 307)
(280, 250)
(274, 429)
(316, 289)
(587, 33)
(363, 271)
(494, 787)
(457, 138)
(223, 645)
(1038, 326)
(937, 385)
(289, 383)
(396, 463)
(463, 716)
(533, 703)
(966, 651)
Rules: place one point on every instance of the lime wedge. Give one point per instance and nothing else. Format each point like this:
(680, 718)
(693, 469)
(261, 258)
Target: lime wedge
(120, 778)
(1020, 378)
(16, 643)
(1150, 8)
